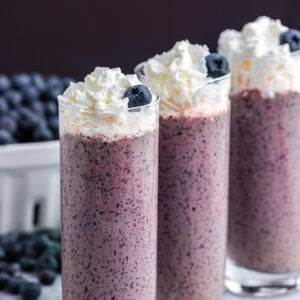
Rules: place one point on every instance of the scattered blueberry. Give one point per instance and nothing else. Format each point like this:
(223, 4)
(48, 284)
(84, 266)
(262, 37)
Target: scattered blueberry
(5, 137)
(46, 277)
(27, 264)
(30, 290)
(3, 280)
(4, 83)
(20, 80)
(14, 98)
(13, 251)
(291, 37)
(138, 95)
(47, 262)
(13, 285)
(217, 65)
(42, 242)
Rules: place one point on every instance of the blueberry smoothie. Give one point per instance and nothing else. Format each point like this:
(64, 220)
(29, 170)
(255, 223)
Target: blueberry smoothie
(264, 215)
(265, 186)
(109, 170)
(193, 171)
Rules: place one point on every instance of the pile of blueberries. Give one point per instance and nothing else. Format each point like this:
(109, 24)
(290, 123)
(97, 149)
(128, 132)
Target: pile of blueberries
(37, 253)
(28, 107)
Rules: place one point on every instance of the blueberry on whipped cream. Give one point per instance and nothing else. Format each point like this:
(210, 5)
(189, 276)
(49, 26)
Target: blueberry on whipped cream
(216, 65)
(182, 79)
(138, 95)
(291, 37)
(261, 56)
(99, 105)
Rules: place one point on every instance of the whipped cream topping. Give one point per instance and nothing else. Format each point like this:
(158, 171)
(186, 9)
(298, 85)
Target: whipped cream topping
(179, 77)
(258, 61)
(98, 106)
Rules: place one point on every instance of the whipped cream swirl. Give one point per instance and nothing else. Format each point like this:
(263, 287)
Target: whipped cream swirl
(179, 77)
(258, 61)
(98, 106)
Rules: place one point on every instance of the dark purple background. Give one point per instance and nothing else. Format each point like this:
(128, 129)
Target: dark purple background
(72, 37)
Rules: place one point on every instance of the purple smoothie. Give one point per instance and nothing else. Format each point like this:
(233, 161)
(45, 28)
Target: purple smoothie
(109, 217)
(193, 200)
(264, 217)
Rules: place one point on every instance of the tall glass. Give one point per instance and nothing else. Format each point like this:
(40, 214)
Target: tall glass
(109, 205)
(193, 196)
(264, 215)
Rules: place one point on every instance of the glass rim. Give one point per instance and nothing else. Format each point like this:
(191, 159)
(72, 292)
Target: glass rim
(139, 69)
(106, 110)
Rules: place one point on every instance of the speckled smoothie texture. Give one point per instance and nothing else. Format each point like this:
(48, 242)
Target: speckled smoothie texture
(264, 218)
(193, 200)
(109, 214)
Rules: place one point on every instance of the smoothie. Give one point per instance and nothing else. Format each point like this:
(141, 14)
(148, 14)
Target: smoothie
(265, 187)
(109, 192)
(264, 215)
(193, 172)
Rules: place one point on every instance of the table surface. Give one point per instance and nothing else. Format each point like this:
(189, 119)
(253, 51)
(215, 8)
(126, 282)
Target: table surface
(54, 293)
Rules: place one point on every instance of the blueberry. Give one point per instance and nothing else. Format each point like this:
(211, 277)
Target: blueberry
(66, 81)
(216, 65)
(54, 81)
(46, 277)
(42, 134)
(13, 251)
(3, 280)
(3, 106)
(47, 262)
(138, 95)
(4, 83)
(53, 234)
(8, 123)
(50, 109)
(42, 242)
(2, 253)
(30, 290)
(6, 137)
(13, 285)
(28, 119)
(13, 97)
(38, 82)
(37, 107)
(291, 37)
(27, 264)
(30, 93)
(54, 125)
(29, 250)
(13, 113)
(53, 92)
(20, 80)
(4, 267)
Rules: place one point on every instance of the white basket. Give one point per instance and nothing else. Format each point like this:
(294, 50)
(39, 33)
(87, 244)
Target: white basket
(29, 186)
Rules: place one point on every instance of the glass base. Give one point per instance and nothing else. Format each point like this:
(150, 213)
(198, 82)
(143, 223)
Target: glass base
(244, 282)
